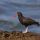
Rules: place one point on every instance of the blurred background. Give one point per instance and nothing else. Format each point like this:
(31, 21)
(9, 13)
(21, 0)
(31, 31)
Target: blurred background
(8, 9)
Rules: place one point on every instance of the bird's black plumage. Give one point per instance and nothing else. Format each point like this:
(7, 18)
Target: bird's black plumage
(25, 20)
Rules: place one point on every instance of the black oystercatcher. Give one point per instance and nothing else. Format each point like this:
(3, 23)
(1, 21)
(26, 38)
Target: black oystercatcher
(26, 21)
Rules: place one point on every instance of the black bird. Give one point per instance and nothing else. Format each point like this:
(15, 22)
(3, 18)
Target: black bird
(26, 21)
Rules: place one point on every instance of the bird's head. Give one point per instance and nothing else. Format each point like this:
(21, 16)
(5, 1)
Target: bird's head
(19, 14)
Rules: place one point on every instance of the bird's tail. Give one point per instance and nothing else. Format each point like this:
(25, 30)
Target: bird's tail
(37, 23)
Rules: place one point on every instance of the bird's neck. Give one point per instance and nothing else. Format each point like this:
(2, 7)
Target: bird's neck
(20, 17)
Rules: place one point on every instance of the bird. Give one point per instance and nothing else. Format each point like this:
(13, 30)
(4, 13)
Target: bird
(26, 21)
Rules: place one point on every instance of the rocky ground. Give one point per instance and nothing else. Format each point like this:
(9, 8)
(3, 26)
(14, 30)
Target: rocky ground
(18, 36)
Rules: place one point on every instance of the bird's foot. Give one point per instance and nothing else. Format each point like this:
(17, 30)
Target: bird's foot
(24, 32)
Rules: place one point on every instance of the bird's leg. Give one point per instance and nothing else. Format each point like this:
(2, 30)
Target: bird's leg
(26, 30)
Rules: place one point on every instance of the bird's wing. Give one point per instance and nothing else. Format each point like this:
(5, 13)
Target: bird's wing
(27, 20)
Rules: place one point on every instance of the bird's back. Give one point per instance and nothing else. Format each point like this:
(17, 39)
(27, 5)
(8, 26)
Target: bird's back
(26, 21)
